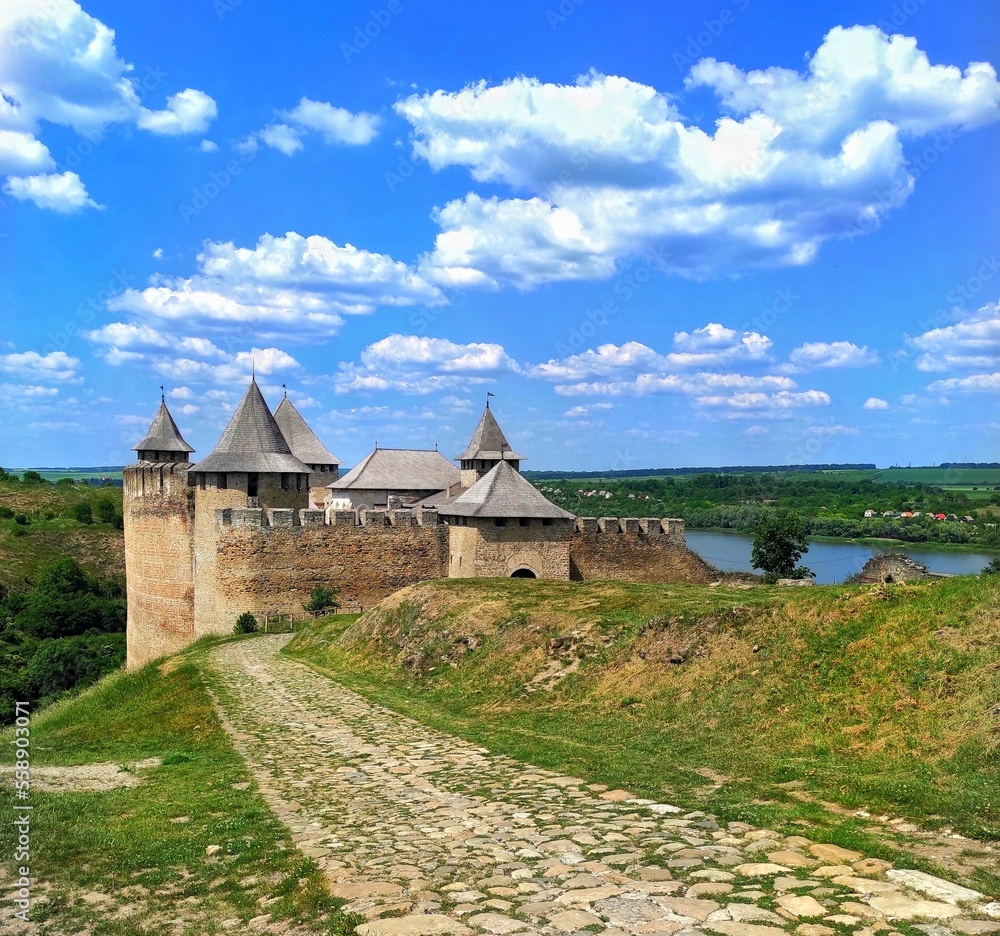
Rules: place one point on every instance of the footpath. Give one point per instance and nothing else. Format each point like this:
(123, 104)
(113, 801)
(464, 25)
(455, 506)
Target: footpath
(426, 834)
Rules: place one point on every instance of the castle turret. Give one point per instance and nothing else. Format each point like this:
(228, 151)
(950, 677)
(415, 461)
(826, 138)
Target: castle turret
(158, 509)
(252, 468)
(504, 526)
(324, 468)
(487, 448)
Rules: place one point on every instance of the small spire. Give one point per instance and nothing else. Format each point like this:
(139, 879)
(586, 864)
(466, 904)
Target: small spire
(488, 395)
(163, 398)
(285, 388)
(435, 446)
(253, 368)
(376, 443)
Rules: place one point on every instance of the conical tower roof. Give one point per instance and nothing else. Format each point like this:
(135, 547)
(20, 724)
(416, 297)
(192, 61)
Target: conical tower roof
(252, 441)
(301, 439)
(163, 434)
(504, 492)
(489, 442)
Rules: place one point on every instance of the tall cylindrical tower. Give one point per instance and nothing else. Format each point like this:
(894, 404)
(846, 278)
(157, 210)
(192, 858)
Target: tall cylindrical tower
(158, 509)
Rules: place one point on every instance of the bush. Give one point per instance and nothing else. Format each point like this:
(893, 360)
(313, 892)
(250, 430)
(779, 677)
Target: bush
(6, 513)
(22, 519)
(106, 511)
(82, 513)
(33, 477)
(993, 568)
(322, 598)
(246, 623)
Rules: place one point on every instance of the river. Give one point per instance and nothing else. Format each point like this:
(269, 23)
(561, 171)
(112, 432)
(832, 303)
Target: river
(832, 562)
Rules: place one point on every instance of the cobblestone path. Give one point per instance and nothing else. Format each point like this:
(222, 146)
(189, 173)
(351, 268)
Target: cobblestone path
(426, 834)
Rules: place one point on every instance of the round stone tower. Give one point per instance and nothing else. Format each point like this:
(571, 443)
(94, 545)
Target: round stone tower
(158, 509)
(250, 473)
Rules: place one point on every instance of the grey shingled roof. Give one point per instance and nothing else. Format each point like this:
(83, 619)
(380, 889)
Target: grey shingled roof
(504, 492)
(163, 434)
(252, 441)
(301, 439)
(400, 470)
(489, 442)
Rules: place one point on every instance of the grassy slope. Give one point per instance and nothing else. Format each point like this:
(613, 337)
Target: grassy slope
(125, 842)
(98, 547)
(861, 697)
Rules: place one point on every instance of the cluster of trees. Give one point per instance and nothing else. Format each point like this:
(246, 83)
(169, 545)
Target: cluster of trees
(87, 504)
(829, 505)
(65, 632)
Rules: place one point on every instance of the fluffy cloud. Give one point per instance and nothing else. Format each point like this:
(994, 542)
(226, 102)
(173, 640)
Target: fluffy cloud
(875, 403)
(334, 124)
(62, 192)
(832, 354)
(189, 111)
(751, 402)
(120, 336)
(608, 167)
(575, 412)
(976, 383)
(290, 284)
(693, 384)
(973, 342)
(30, 365)
(423, 365)
(59, 65)
(713, 345)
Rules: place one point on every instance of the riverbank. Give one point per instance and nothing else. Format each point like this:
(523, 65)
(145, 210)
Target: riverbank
(876, 542)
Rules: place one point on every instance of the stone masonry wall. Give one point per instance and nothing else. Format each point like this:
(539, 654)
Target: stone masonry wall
(894, 567)
(159, 560)
(265, 563)
(635, 550)
(483, 549)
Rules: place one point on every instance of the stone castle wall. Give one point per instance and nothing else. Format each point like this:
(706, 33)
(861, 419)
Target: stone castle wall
(158, 510)
(266, 562)
(634, 550)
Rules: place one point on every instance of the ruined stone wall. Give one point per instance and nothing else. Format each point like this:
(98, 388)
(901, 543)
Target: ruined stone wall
(484, 550)
(894, 567)
(635, 550)
(159, 559)
(264, 562)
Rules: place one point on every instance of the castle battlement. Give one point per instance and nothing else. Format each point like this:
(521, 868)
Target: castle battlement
(671, 528)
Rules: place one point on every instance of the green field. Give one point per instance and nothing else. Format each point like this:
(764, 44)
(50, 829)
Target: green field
(55, 475)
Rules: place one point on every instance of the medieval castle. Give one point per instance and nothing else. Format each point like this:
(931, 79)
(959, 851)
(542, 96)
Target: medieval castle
(266, 517)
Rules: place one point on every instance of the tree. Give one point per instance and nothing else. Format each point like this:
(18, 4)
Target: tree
(322, 598)
(779, 544)
(32, 477)
(246, 623)
(82, 512)
(993, 568)
(106, 511)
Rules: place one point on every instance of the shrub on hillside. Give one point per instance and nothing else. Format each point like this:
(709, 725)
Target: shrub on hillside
(246, 623)
(82, 513)
(73, 663)
(106, 510)
(993, 568)
(322, 598)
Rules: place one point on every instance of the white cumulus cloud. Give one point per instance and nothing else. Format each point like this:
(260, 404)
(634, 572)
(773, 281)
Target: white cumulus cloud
(832, 354)
(59, 65)
(608, 167)
(30, 365)
(875, 403)
(290, 284)
(335, 125)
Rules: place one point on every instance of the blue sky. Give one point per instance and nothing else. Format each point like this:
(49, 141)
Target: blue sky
(732, 232)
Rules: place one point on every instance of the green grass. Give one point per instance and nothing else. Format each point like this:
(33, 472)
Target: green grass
(123, 843)
(864, 698)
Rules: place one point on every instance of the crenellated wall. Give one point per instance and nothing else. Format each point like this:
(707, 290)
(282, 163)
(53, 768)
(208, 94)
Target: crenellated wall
(635, 549)
(158, 508)
(266, 561)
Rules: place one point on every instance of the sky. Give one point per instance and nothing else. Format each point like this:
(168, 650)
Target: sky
(661, 234)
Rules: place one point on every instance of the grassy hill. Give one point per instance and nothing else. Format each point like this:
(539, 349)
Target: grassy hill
(38, 525)
(817, 706)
